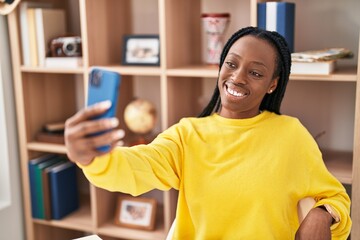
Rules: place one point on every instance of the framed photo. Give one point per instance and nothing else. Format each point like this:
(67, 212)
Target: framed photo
(141, 50)
(136, 212)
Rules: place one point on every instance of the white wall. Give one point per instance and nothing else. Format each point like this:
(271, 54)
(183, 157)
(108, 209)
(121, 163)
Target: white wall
(11, 220)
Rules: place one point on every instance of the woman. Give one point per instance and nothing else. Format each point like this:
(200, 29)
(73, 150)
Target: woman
(240, 168)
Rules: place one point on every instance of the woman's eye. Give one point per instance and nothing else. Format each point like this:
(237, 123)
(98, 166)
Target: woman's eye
(230, 64)
(256, 74)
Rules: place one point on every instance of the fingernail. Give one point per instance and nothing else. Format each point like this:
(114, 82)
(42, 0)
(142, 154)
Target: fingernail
(114, 122)
(120, 134)
(105, 104)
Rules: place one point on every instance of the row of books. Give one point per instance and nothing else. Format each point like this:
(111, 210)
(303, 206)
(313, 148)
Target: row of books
(53, 186)
(40, 23)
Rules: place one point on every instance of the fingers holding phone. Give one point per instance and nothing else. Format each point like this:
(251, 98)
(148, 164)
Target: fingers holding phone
(91, 132)
(81, 140)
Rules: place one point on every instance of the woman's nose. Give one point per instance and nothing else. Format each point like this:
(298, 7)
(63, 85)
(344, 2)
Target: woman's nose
(239, 76)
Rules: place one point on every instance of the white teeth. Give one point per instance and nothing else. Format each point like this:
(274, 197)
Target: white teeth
(234, 93)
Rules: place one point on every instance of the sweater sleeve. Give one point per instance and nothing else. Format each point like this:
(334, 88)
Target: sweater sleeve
(325, 188)
(139, 169)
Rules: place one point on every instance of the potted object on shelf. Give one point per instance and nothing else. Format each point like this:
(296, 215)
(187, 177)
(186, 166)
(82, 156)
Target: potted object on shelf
(215, 25)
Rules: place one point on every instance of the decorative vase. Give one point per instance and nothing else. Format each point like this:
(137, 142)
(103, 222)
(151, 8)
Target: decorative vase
(215, 25)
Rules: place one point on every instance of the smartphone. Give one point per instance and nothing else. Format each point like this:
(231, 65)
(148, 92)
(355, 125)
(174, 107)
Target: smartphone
(103, 85)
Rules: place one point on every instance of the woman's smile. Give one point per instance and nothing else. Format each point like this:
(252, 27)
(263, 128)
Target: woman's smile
(235, 90)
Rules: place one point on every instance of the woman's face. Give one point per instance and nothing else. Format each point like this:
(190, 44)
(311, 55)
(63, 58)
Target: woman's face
(246, 76)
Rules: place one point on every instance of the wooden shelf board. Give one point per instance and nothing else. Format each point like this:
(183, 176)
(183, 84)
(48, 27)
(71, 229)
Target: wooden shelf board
(210, 71)
(113, 230)
(52, 70)
(46, 147)
(339, 164)
(343, 74)
(135, 70)
(79, 220)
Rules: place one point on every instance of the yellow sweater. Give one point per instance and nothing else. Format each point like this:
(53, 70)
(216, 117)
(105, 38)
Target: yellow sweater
(237, 179)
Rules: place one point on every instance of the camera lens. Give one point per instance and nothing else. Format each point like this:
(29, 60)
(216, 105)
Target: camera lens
(95, 78)
(69, 48)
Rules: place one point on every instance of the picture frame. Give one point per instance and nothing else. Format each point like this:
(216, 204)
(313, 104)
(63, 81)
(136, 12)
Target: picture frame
(141, 50)
(136, 212)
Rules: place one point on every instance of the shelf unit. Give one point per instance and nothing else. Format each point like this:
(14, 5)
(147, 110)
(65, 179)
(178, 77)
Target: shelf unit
(49, 94)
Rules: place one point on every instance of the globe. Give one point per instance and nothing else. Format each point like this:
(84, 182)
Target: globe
(140, 116)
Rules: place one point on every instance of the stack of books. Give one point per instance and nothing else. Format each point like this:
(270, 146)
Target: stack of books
(53, 187)
(317, 62)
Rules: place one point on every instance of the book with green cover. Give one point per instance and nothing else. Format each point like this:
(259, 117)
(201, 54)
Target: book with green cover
(39, 182)
(33, 192)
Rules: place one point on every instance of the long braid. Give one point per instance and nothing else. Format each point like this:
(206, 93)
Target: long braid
(271, 102)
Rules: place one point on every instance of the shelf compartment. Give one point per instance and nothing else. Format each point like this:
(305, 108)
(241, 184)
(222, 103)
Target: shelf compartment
(110, 20)
(106, 204)
(188, 90)
(339, 164)
(110, 229)
(48, 98)
(79, 220)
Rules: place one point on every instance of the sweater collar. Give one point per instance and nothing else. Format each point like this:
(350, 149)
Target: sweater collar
(242, 122)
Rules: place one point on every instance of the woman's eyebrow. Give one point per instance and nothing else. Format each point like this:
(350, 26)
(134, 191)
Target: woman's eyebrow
(255, 62)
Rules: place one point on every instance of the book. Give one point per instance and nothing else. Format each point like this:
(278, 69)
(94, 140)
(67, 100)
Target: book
(50, 23)
(39, 181)
(24, 29)
(279, 17)
(63, 62)
(32, 36)
(46, 188)
(313, 68)
(325, 54)
(33, 188)
(63, 190)
(54, 127)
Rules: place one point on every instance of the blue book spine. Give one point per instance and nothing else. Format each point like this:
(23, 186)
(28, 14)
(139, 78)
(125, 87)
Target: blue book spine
(279, 17)
(64, 190)
(261, 15)
(33, 196)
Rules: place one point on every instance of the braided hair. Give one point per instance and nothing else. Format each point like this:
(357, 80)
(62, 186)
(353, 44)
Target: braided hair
(271, 102)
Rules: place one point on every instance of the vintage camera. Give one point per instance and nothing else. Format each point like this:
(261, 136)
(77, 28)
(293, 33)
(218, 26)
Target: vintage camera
(65, 47)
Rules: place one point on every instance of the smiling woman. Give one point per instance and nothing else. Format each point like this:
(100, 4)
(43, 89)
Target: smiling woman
(259, 146)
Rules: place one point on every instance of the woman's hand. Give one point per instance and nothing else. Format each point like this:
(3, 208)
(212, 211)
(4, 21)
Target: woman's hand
(81, 147)
(316, 225)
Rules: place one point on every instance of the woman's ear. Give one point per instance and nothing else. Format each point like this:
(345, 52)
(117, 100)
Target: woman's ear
(273, 85)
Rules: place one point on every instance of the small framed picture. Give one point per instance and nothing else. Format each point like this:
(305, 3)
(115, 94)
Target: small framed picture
(136, 212)
(141, 50)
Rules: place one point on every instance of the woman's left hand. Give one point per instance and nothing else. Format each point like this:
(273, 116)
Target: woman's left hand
(316, 225)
